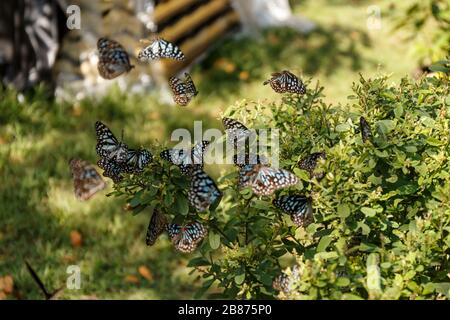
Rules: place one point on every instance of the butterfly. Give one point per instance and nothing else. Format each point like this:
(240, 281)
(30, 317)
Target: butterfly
(186, 160)
(236, 131)
(309, 163)
(137, 160)
(366, 133)
(265, 180)
(297, 206)
(186, 238)
(113, 59)
(86, 180)
(157, 225)
(108, 146)
(240, 160)
(286, 81)
(183, 91)
(160, 48)
(203, 191)
(284, 282)
(112, 169)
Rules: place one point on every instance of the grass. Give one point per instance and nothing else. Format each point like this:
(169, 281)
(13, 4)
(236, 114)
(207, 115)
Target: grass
(38, 211)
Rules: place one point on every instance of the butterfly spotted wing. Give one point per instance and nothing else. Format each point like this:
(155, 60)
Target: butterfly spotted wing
(108, 146)
(366, 133)
(86, 180)
(160, 48)
(186, 238)
(242, 159)
(236, 131)
(186, 160)
(265, 180)
(309, 163)
(203, 191)
(286, 81)
(137, 160)
(112, 169)
(113, 59)
(183, 91)
(156, 226)
(284, 282)
(297, 206)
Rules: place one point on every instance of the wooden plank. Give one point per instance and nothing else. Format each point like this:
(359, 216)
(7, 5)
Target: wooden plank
(195, 46)
(190, 22)
(169, 9)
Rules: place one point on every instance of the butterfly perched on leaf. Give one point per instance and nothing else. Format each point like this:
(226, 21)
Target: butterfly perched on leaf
(203, 191)
(286, 81)
(242, 159)
(186, 159)
(137, 160)
(309, 163)
(265, 180)
(113, 60)
(364, 126)
(297, 206)
(108, 146)
(156, 226)
(285, 282)
(186, 238)
(183, 91)
(86, 180)
(160, 48)
(236, 132)
(112, 169)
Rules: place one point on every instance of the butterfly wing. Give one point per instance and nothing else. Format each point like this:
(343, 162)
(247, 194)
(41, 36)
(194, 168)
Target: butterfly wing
(113, 59)
(161, 48)
(297, 206)
(186, 239)
(86, 179)
(137, 160)
(203, 191)
(236, 131)
(190, 86)
(366, 132)
(107, 144)
(179, 90)
(111, 169)
(156, 226)
(309, 163)
(268, 179)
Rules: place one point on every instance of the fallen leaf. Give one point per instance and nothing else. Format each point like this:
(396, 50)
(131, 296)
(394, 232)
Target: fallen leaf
(7, 284)
(145, 272)
(76, 239)
(2, 295)
(132, 279)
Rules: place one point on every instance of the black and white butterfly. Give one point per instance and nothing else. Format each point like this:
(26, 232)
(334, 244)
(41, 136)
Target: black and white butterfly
(297, 206)
(203, 190)
(160, 48)
(86, 180)
(113, 60)
(112, 169)
(137, 160)
(309, 163)
(186, 159)
(186, 238)
(108, 147)
(286, 81)
(265, 180)
(183, 91)
(236, 132)
(156, 226)
(366, 132)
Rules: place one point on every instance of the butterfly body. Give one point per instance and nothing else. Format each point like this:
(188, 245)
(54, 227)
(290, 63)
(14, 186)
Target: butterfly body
(86, 179)
(160, 48)
(203, 191)
(113, 59)
(186, 238)
(297, 206)
(286, 81)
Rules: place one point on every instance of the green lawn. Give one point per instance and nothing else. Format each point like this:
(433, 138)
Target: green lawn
(37, 138)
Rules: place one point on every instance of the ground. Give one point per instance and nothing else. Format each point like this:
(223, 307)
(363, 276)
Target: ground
(43, 223)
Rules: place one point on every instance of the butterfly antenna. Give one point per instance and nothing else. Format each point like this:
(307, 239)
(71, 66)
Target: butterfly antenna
(38, 281)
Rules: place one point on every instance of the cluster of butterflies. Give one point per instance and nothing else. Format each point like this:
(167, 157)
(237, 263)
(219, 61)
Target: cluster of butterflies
(114, 61)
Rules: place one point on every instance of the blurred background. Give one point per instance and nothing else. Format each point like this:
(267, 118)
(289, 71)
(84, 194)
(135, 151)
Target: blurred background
(51, 96)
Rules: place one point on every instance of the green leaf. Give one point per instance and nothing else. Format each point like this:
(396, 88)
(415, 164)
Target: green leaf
(324, 243)
(342, 282)
(343, 127)
(214, 240)
(343, 210)
(239, 279)
(182, 204)
(369, 212)
(197, 262)
(386, 126)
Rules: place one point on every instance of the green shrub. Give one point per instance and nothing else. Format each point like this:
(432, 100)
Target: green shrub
(381, 212)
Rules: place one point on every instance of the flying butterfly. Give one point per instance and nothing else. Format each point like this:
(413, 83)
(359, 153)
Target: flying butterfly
(265, 180)
(186, 238)
(186, 160)
(236, 131)
(309, 163)
(366, 132)
(113, 59)
(160, 48)
(156, 226)
(183, 91)
(297, 206)
(137, 160)
(86, 180)
(286, 81)
(203, 191)
(108, 146)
